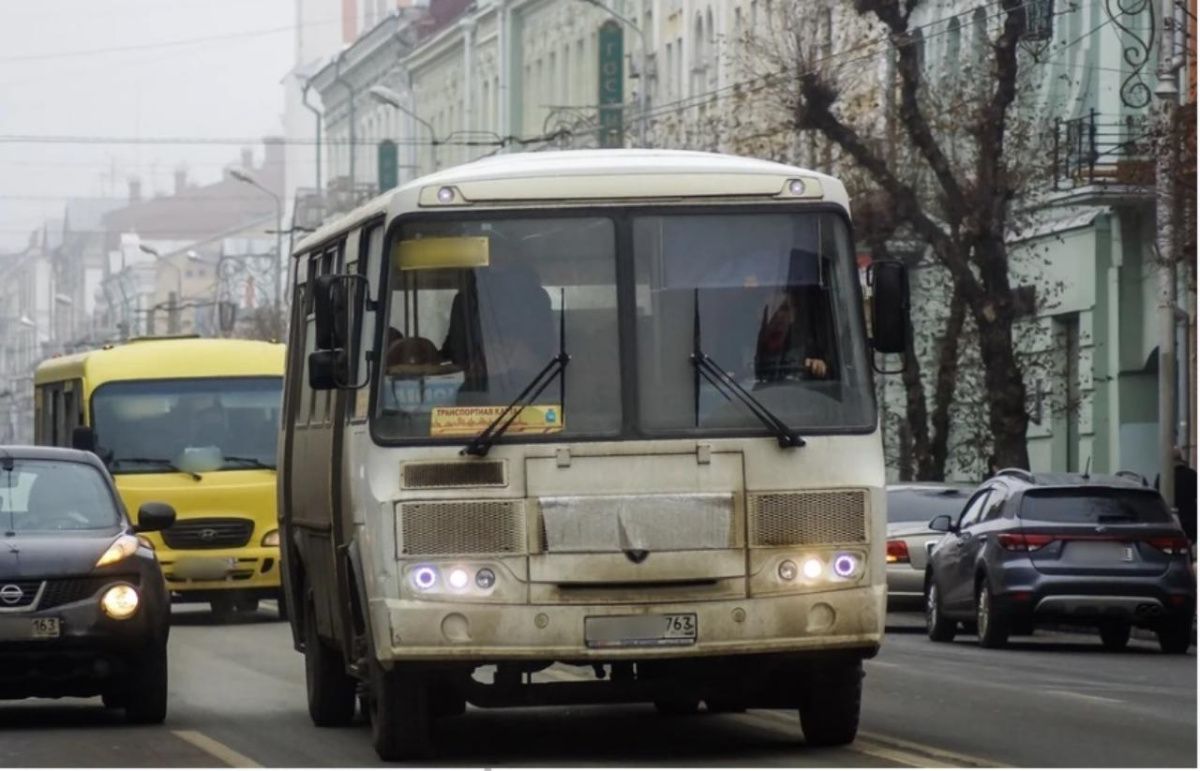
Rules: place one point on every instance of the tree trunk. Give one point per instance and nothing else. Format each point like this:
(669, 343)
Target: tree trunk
(943, 392)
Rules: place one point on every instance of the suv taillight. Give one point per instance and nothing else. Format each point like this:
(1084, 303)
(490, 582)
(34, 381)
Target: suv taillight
(1170, 544)
(1024, 541)
(897, 551)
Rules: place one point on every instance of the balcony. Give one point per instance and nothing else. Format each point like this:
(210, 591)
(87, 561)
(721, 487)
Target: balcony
(1103, 157)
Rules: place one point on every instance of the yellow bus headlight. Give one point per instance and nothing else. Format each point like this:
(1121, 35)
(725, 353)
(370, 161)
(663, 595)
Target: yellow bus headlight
(271, 539)
(120, 601)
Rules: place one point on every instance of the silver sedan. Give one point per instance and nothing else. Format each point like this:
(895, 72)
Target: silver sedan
(910, 508)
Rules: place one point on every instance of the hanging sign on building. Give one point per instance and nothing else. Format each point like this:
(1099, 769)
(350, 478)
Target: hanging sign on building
(388, 165)
(612, 84)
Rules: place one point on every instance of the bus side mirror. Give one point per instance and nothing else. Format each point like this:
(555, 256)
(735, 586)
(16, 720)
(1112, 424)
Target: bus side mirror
(84, 438)
(889, 305)
(326, 370)
(325, 311)
(338, 301)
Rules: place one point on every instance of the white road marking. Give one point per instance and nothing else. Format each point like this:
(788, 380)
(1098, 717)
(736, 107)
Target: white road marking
(1086, 696)
(896, 756)
(955, 758)
(221, 752)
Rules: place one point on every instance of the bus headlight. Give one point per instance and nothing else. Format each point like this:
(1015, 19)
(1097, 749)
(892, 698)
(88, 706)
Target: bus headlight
(485, 579)
(271, 539)
(425, 577)
(458, 579)
(845, 565)
(120, 602)
(813, 568)
(788, 570)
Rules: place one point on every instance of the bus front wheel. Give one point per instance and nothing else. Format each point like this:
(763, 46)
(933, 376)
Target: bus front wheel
(830, 704)
(331, 692)
(401, 714)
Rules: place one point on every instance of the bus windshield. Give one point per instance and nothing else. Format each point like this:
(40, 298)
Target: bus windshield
(197, 425)
(477, 309)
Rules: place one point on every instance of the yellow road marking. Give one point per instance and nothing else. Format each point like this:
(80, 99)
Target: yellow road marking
(221, 752)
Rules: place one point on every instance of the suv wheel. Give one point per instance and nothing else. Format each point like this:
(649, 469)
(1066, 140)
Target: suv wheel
(1175, 636)
(1114, 635)
(992, 623)
(939, 628)
(145, 701)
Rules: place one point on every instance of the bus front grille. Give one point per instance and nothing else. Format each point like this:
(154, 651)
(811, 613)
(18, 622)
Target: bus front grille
(420, 476)
(808, 518)
(462, 527)
(224, 533)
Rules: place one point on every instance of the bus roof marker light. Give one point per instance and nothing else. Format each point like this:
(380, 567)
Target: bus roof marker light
(446, 195)
(845, 565)
(458, 579)
(813, 568)
(797, 187)
(425, 577)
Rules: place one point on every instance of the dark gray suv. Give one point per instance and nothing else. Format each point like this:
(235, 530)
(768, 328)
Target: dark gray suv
(1094, 550)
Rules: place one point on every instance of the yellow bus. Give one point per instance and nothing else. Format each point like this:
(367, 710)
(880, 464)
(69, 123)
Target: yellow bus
(193, 422)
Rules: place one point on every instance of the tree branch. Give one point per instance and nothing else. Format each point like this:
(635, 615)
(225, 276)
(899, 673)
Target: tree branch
(913, 119)
(993, 190)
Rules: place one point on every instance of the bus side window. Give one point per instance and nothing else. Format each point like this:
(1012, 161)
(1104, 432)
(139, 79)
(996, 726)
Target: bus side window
(370, 268)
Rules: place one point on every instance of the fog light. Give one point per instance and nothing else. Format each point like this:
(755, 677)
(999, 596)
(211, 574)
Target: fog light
(445, 194)
(459, 579)
(425, 577)
(845, 565)
(271, 538)
(120, 602)
(812, 568)
(788, 570)
(796, 187)
(485, 578)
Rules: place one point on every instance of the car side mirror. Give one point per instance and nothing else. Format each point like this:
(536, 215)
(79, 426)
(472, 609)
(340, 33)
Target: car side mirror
(889, 305)
(941, 524)
(84, 438)
(154, 516)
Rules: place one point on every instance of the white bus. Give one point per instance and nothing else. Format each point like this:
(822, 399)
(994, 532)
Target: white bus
(610, 410)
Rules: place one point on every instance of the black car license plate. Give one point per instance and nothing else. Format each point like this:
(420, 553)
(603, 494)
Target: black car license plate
(30, 628)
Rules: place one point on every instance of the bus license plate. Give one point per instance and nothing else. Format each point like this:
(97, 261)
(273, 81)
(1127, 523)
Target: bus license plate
(639, 631)
(45, 628)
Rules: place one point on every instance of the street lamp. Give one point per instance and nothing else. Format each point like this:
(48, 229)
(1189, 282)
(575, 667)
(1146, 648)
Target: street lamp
(389, 97)
(241, 175)
(644, 86)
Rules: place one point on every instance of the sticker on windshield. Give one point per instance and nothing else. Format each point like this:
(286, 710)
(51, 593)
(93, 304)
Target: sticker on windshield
(468, 421)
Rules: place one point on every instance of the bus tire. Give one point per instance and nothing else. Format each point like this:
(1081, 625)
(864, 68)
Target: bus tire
(831, 702)
(676, 706)
(331, 692)
(145, 701)
(401, 714)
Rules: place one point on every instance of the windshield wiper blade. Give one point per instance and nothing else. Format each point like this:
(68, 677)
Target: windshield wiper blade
(483, 441)
(717, 376)
(251, 462)
(161, 462)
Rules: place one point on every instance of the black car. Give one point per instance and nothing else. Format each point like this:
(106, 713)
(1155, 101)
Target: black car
(84, 608)
(1031, 548)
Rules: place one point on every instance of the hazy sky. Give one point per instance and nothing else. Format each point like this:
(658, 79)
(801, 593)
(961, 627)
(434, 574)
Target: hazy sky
(60, 76)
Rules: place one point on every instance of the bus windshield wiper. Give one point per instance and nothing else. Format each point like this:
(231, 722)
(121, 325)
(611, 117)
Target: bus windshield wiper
(483, 442)
(248, 461)
(718, 377)
(160, 462)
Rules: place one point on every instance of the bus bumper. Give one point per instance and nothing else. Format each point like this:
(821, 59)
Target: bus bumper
(416, 630)
(254, 570)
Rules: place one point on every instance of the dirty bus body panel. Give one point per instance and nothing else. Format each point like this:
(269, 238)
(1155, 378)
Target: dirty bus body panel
(611, 409)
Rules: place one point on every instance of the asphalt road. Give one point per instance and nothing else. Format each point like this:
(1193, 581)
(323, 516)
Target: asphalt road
(237, 699)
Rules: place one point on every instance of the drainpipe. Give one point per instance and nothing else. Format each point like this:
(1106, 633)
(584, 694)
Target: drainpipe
(337, 77)
(504, 96)
(317, 120)
(468, 97)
